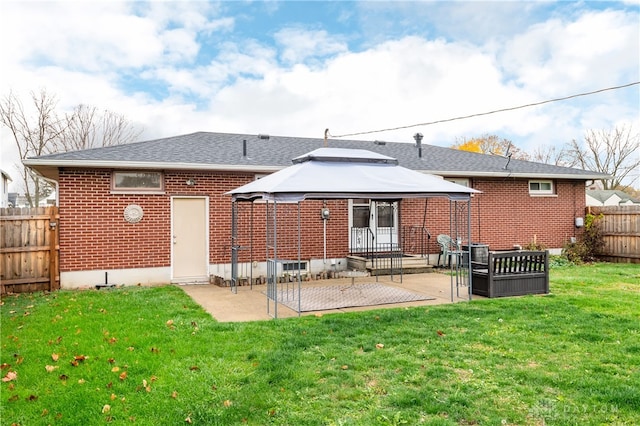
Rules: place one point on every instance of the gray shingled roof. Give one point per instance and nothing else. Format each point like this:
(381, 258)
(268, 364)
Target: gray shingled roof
(206, 150)
(603, 195)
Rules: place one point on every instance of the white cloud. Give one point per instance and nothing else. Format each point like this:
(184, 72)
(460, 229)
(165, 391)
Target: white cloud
(299, 44)
(309, 79)
(593, 51)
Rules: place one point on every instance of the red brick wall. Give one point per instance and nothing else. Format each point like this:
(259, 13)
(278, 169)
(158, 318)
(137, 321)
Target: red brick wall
(94, 234)
(505, 214)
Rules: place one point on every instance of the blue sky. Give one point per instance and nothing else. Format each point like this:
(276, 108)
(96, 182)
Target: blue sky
(296, 68)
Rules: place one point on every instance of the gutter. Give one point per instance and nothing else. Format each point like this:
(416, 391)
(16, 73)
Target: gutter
(507, 174)
(45, 167)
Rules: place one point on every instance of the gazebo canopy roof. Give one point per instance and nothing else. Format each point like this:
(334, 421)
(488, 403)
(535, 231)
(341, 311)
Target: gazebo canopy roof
(327, 173)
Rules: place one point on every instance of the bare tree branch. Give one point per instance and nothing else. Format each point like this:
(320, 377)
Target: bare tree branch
(35, 133)
(614, 152)
(38, 131)
(548, 154)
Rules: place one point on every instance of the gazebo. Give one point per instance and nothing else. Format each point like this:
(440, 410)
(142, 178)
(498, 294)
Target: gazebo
(336, 173)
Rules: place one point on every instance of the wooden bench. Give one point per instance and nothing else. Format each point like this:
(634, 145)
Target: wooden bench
(511, 273)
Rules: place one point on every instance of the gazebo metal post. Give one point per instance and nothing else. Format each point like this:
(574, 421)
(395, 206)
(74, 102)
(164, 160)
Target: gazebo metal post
(272, 261)
(251, 248)
(451, 234)
(461, 273)
(234, 246)
(299, 259)
(470, 274)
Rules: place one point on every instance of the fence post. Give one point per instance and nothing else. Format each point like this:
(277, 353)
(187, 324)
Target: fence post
(53, 254)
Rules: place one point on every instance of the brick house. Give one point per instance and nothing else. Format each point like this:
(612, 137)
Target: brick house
(121, 207)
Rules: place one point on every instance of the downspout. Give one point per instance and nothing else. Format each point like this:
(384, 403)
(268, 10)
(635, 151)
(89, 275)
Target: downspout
(55, 185)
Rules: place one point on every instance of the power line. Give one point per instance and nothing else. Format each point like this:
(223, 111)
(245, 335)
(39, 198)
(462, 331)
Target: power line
(487, 113)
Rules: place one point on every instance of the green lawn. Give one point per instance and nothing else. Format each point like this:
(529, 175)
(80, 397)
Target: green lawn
(152, 356)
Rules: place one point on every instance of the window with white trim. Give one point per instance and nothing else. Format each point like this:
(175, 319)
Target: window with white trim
(460, 181)
(137, 181)
(541, 187)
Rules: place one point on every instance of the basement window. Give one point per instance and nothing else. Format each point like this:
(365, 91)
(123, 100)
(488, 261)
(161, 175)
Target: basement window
(292, 266)
(541, 187)
(133, 181)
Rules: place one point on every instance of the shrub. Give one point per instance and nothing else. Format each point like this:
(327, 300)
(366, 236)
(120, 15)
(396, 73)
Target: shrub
(589, 244)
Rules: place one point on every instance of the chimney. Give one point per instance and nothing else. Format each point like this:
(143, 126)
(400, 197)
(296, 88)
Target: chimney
(244, 148)
(418, 138)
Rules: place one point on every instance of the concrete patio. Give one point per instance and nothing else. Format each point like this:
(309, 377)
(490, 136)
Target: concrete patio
(251, 304)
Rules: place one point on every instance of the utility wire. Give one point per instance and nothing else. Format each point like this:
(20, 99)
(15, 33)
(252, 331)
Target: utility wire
(485, 113)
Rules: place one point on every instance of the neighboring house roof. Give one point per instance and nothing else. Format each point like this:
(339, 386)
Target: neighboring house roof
(224, 151)
(348, 173)
(605, 196)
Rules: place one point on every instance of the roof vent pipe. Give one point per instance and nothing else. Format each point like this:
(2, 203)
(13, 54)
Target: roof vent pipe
(418, 138)
(244, 148)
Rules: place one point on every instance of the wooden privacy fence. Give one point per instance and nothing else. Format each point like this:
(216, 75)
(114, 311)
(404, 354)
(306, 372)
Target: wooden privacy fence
(620, 227)
(29, 251)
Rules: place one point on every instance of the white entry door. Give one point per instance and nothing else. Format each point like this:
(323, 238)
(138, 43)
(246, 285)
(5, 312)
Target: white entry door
(189, 239)
(374, 225)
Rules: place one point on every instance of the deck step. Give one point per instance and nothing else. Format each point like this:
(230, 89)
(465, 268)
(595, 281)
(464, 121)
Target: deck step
(410, 265)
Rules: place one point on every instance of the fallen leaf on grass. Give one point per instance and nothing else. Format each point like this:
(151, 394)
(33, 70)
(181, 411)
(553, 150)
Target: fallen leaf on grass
(106, 408)
(55, 356)
(123, 375)
(194, 368)
(13, 398)
(345, 367)
(44, 412)
(188, 420)
(4, 366)
(174, 394)
(11, 375)
(111, 360)
(113, 396)
(115, 369)
(227, 403)
(63, 377)
(32, 398)
(50, 368)
(440, 333)
(379, 345)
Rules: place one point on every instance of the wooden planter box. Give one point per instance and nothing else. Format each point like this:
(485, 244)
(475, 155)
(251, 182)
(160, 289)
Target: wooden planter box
(511, 273)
